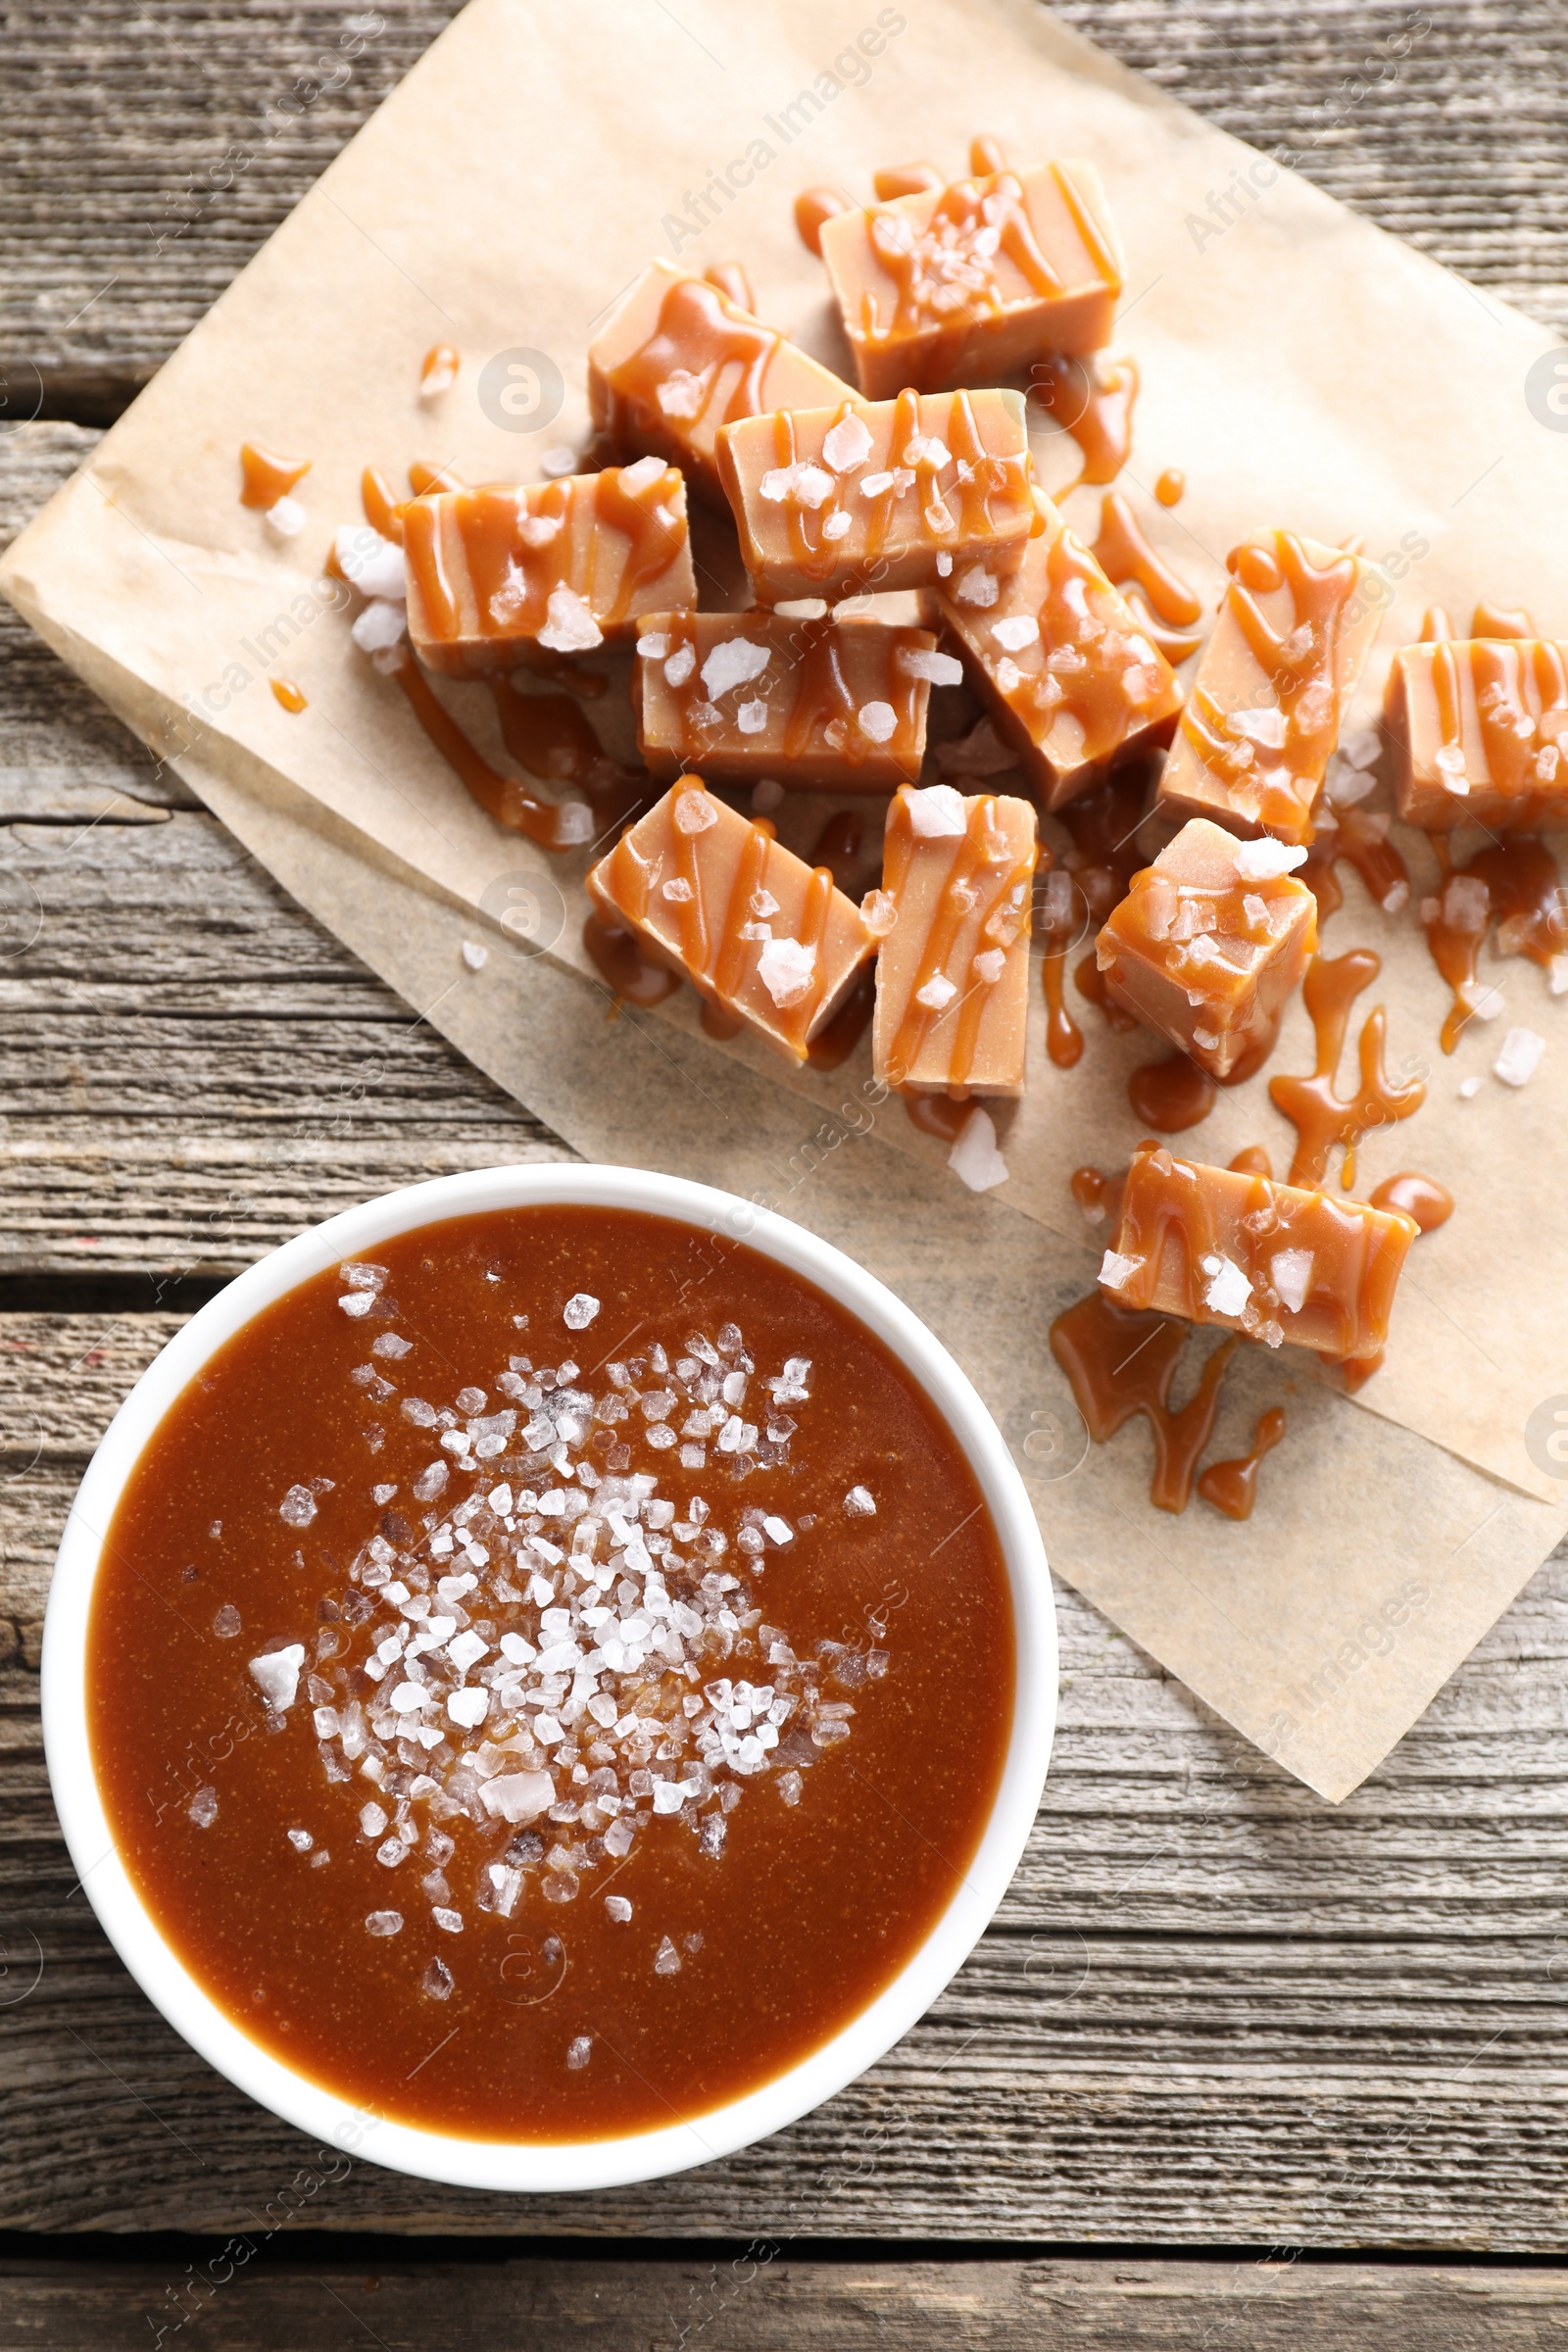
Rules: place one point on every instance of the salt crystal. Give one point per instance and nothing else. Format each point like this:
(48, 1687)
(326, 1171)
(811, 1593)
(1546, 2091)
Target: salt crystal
(1228, 1287)
(1115, 1270)
(203, 1808)
(1264, 860)
(667, 1961)
(1469, 1088)
(286, 516)
(836, 525)
(974, 1156)
(373, 564)
(578, 2052)
(847, 444)
(437, 1981)
(975, 586)
(298, 1507)
(937, 813)
(751, 718)
(937, 993)
(778, 1531)
(1015, 632)
(301, 1840)
(390, 1342)
(1266, 727)
(989, 964)
(518, 1796)
(226, 1625)
(474, 955)
(877, 721)
(860, 1503)
(733, 661)
(381, 627)
(1360, 747)
(1291, 1273)
(694, 812)
(276, 1675)
(448, 1921)
(790, 1786)
(558, 460)
(571, 627)
(579, 1311)
(372, 1820)
(787, 969)
(879, 912)
(680, 664)
(384, 1923)
(1519, 1057)
(617, 1908)
(941, 669)
(643, 474)
(468, 1706)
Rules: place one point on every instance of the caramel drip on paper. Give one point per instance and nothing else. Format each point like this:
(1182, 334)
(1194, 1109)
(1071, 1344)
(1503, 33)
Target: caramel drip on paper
(438, 370)
(987, 155)
(1421, 1198)
(1253, 1160)
(1098, 1194)
(1436, 627)
(1321, 1117)
(1232, 1487)
(1093, 402)
(501, 797)
(1102, 826)
(1513, 883)
(960, 895)
(266, 477)
(285, 692)
(1170, 486)
(1361, 839)
(937, 1114)
(905, 179)
(812, 207)
(382, 511)
(1121, 1362)
(1125, 556)
(729, 278)
(549, 736)
(704, 329)
(1171, 1094)
(631, 974)
(1295, 660)
(1090, 981)
(427, 481)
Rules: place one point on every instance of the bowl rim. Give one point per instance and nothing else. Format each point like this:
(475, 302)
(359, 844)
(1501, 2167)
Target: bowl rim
(536, 2166)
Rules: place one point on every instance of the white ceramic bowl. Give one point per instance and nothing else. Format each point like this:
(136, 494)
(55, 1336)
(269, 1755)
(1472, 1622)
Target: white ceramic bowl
(541, 2165)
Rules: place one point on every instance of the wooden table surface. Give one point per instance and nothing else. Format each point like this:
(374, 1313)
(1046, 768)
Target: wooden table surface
(1233, 2066)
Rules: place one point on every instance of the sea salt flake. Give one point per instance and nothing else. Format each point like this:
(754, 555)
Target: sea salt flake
(298, 1506)
(578, 2052)
(203, 1808)
(617, 1908)
(379, 627)
(571, 627)
(939, 669)
(860, 1503)
(694, 812)
(1291, 1273)
(301, 1840)
(975, 586)
(579, 1311)
(1519, 1056)
(937, 813)
(1228, 1287)
(877, 721)
(226, 1625)
(751, 718)
(733, 661)
(974, 1158)
(847, 445)
(384, 1923)
(937, 993)
(518, 1796)
(1015, 632)
(286, 516)
(1264, 860)
(371, 563)
(668, 1960)
(276, 1675)
(989, 964)
(787, 970)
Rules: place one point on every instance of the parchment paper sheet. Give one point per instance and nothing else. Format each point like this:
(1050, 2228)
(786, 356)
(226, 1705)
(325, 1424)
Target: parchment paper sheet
(1298, 365)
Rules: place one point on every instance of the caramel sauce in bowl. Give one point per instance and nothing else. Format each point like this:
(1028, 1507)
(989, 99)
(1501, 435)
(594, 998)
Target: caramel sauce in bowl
(87, 1764)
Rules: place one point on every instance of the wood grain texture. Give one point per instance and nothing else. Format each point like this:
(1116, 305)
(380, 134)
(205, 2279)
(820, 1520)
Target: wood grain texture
(759, 2301)
(1212, 2010)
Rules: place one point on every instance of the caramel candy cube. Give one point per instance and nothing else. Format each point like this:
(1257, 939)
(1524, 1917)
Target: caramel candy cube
(1272, 1260)
(1481, 728)
(953, 973)
(960, 285)
(1208, 943)
(840, 501)
(1295, 626)
(756, 930)
(493, 573)
(1071, 678)
(828, 704)
(679, 359)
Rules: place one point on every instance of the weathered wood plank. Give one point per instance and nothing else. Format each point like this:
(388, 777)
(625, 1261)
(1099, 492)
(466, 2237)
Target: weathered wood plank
(761, 2296)
(195, 126)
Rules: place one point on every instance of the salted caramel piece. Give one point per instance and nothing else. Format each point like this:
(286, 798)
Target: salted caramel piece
(1274, 1261)
(1072, 679)
(756, 930)
(865, 496)
(492, 573)
(679, 359)
(1481, 733)
(826, 704)
(1295, 628)
(962, 284)
(953, 973)
(1208, 943)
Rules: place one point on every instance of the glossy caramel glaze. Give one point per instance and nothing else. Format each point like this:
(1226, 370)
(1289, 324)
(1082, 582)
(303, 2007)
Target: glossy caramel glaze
(1360, 836)
(985, 895)
(905, 179)
(1121, 1364)
(266, 477)
(1092, 399)
(627, 969)
(1321, 1117)
(1170, 486)
(438, 370)
(1483, 730)
(1171, 1094)
(1232, 1487)
(1127, 559)
(812, 207)
(287, 692)
(729, 278)
(1422, 1198)
(1512, 886)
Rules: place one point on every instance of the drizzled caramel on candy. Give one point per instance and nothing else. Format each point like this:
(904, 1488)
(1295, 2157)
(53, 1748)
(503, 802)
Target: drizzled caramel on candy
(1482, 730)
(953, 974)
(1276, 1261)
(1128, 560)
